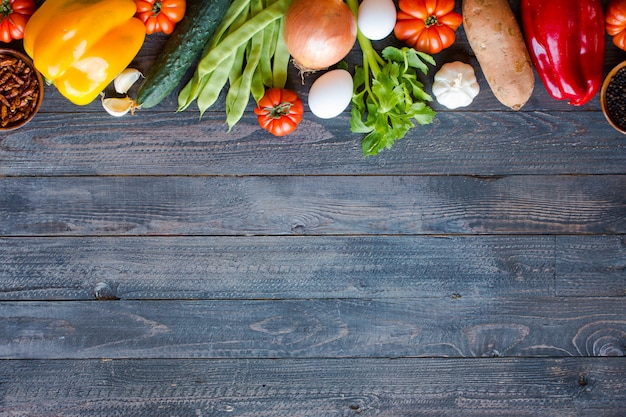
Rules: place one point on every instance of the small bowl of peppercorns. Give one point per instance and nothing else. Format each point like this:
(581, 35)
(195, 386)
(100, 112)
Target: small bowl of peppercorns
(21, 89)
(613, 97)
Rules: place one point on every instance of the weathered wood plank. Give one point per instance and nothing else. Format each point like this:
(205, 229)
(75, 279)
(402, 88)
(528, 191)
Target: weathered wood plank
(483, 139)
(416, 387)
(312, 205)
(325, 328)
(477, 143)
(591, 266)
(315, 267)
(470, 241)
(277, 267)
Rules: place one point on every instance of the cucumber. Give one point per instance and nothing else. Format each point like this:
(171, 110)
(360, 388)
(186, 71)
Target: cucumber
(181, 50)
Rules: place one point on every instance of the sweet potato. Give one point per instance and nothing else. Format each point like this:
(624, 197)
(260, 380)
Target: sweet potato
(496, 39)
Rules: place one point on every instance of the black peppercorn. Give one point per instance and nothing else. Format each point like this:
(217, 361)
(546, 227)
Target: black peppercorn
(616, 99)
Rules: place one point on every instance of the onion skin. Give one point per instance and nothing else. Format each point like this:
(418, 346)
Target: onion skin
(319, 33)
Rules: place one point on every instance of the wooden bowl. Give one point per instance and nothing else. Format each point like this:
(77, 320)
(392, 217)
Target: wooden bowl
(19, 102)
(613, 98)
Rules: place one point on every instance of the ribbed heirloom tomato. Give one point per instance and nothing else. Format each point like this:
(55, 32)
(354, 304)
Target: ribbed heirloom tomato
(14, 15)
(615, 22)
(279, 111)
(427, 25)
(160, 15)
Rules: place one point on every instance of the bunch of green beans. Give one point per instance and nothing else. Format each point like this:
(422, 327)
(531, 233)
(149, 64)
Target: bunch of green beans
(247, 52)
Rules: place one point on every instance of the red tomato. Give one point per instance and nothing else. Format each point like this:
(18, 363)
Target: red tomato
(279, 111)
(14, 15)
(427, 25)
(160, 15)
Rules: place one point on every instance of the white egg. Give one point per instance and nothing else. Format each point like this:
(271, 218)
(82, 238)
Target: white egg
(377, 18)
(331, 93)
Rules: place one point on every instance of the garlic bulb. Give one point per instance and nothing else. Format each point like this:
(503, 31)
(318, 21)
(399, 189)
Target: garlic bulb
(455, 85)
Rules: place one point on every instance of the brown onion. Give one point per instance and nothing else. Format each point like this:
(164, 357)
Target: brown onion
(319, 33)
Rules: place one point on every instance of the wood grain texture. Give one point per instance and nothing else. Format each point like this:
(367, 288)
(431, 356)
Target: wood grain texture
(346, 387)
(316, 205)
(276, 267)
(158, 265)
(457, 143)
(325, 328)
(319, 267)
(591, 266)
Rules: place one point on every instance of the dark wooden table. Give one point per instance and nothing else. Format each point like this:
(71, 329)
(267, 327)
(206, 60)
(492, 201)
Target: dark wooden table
(156, 265)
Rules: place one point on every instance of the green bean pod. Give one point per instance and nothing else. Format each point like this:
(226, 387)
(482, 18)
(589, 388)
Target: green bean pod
(241, 36)
(239, 94)
(247, 54)
(281, 59)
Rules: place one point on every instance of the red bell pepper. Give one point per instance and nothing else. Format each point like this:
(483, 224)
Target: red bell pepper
(565, 39)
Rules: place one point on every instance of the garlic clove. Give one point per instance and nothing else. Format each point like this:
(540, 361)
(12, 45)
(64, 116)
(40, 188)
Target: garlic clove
(125, 80)
(118, 106)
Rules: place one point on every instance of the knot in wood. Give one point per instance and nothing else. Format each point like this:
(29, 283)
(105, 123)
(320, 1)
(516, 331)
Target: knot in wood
(298, 229)
(103, 291)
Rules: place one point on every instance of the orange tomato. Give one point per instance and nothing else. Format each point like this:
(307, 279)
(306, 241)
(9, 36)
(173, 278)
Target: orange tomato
(615, 22)
(279, 111)
(427, 25)
(160, 15)
(14, 15)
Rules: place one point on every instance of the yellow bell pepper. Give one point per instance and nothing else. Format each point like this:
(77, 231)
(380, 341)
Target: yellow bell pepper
(80, 46)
